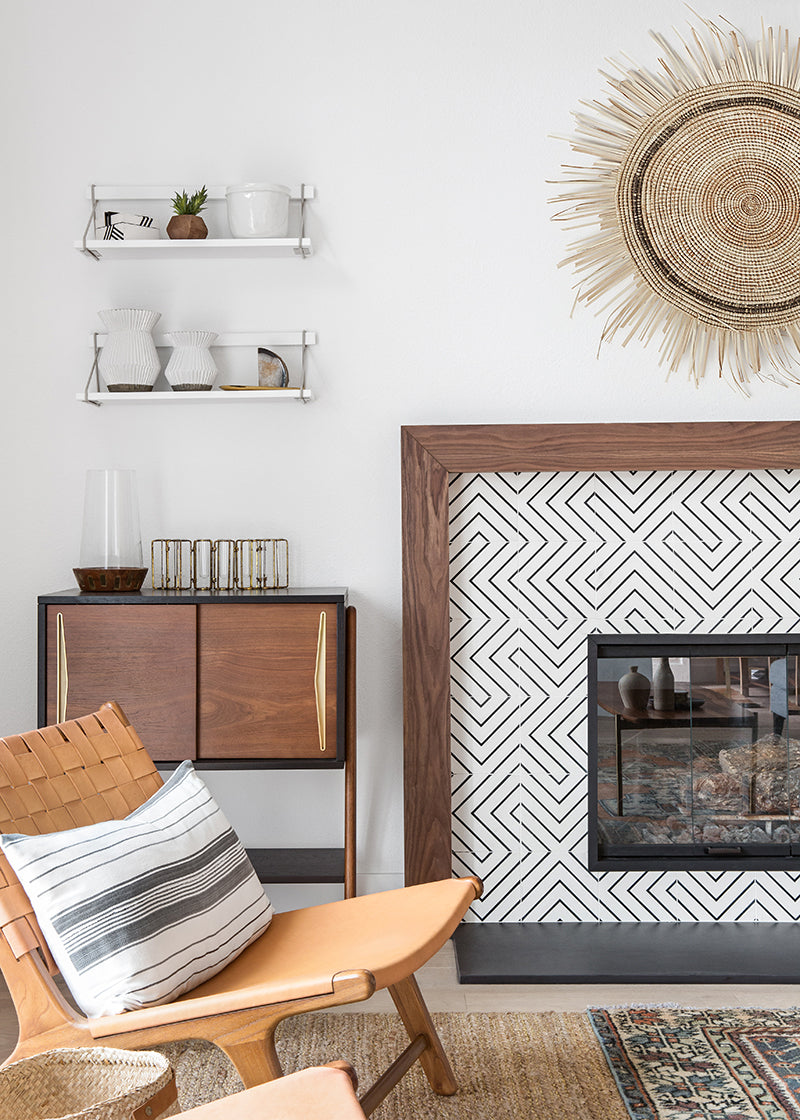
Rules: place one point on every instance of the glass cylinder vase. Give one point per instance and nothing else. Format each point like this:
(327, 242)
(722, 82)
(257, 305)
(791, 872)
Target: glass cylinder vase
(111, 541)
(128, 361)
(191, 367)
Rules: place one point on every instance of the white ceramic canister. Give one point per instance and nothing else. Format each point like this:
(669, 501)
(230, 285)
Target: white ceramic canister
(258, 209)
(128, 361)
(191, 366)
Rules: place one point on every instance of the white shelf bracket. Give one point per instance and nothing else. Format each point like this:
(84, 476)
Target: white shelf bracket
(93, 372)
(303, 366)
(90, 225)
(300, 250)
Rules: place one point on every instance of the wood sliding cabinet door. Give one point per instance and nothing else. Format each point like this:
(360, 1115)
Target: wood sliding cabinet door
(144, 657)
(268, 681)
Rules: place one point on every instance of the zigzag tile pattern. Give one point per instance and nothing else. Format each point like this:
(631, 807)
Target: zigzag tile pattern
(540, 560)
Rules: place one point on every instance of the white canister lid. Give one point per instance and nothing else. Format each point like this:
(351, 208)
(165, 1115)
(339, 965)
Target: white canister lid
(242, 188)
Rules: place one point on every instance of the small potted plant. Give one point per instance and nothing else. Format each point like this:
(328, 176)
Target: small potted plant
(186, 223)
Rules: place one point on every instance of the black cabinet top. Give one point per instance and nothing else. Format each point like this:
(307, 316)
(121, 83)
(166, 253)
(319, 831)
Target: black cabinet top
(148, 595)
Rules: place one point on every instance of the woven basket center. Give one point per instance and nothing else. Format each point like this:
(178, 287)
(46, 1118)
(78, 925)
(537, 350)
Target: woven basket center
(708, 200)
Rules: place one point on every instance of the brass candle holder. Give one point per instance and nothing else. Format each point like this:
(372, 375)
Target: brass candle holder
(252, 564)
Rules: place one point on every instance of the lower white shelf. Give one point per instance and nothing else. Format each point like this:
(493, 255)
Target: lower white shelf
(214, 396)
(240, 339)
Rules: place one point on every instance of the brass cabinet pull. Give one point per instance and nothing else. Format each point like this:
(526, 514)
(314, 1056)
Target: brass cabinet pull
(62, 677)
(319, 680)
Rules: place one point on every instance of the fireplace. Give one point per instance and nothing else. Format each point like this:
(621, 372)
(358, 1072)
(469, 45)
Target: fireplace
(566, 923)
(701, 770)
(429, 456)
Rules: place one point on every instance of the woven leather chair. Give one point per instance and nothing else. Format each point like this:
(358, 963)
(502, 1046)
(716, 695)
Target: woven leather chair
(96, 769)
(319, 1093)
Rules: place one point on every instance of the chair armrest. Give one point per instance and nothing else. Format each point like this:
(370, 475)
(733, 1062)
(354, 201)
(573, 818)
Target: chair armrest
(342, 987)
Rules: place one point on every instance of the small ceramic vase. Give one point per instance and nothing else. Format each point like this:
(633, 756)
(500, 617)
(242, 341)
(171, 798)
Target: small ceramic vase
(663, 685)
(634, 688)
(191, 367)
(128, 361)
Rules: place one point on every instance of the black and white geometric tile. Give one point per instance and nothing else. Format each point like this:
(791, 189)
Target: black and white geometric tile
(540, 560)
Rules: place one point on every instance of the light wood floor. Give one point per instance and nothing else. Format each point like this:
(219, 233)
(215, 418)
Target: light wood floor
(442, 992)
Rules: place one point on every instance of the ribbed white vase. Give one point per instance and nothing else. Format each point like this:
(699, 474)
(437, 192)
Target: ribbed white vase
(191, 367)
(128, 361)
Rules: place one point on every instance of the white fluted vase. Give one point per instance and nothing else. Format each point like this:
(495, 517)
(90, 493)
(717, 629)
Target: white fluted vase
(191, 367)
(128, 361)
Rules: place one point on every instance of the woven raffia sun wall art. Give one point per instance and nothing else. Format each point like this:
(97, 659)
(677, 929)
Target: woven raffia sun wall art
(692, 205)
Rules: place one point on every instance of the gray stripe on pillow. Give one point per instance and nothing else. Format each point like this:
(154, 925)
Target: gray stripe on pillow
(87, 945)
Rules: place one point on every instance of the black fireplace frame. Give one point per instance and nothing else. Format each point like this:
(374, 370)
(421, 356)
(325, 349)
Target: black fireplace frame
(678, 857)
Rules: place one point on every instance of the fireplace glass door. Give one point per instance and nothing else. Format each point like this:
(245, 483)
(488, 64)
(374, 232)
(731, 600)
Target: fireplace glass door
(694, 752)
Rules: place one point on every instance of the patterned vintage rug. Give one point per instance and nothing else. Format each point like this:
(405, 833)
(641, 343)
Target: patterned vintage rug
(737, 1063)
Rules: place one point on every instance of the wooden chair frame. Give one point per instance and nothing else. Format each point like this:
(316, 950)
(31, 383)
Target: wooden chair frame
(96, 768)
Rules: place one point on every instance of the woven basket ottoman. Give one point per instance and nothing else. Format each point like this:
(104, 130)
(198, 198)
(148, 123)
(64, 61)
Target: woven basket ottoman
(89, 1083)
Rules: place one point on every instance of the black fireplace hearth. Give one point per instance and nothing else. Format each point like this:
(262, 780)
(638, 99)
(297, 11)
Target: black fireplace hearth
(627, 953)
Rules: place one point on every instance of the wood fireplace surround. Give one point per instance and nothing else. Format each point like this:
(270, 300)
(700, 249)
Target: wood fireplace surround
(429, 455)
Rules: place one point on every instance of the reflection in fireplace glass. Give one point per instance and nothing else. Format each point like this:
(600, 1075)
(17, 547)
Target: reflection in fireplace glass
(695, 752)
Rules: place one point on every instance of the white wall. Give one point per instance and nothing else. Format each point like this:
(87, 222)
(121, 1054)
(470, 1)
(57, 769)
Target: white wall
(425, 126)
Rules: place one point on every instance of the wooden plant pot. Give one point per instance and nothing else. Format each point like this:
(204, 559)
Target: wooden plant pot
(186, 227)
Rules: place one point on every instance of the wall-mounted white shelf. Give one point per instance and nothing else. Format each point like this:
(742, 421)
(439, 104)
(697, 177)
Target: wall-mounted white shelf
(215, 396)
(165, 249)
(195, 250)
(254, 339)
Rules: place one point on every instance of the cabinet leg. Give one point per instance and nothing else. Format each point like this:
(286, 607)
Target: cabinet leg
(350, 757)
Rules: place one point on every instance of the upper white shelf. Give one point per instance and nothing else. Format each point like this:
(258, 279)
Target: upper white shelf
(165, 249)
(235, 396)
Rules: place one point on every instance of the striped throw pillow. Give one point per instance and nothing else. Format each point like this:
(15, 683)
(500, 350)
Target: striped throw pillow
(140, 910)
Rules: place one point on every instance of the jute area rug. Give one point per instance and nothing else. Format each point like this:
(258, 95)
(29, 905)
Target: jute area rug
(649, 1063)
(528, 1066)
